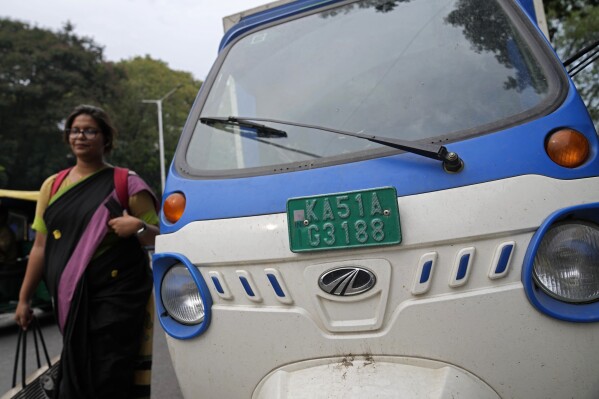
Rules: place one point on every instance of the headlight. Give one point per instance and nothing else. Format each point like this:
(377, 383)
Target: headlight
(566, 265)
(181, 296)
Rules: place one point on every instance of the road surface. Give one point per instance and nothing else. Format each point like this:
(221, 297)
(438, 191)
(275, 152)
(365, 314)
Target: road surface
(164, 383)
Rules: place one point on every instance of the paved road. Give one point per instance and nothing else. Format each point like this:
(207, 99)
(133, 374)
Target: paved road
(164, 383)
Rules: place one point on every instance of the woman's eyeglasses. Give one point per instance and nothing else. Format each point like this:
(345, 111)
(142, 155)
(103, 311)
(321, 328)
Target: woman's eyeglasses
(88, 132)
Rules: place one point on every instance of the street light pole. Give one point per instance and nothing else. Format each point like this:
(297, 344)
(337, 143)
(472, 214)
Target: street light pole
(161, 133)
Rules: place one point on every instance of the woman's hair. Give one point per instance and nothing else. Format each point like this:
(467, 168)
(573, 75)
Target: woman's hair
(101, 118)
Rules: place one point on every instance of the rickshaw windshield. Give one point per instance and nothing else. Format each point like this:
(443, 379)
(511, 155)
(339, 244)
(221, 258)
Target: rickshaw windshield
(406, 69)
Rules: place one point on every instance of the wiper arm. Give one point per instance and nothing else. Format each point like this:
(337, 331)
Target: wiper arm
(451, 161)
(261, 130)
(592, 54)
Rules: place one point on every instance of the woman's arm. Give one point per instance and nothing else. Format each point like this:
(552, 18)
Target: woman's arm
(142, 213)
(33, 276)
(128, 225)
(148, 236)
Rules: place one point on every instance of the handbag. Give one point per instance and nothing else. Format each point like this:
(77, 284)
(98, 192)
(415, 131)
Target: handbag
(42, 383)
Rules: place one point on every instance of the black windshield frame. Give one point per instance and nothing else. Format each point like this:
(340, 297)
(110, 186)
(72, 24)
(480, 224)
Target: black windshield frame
(549, 63)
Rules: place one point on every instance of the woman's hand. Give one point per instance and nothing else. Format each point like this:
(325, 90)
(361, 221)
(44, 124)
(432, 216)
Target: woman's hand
(126, 225)
(23, 314)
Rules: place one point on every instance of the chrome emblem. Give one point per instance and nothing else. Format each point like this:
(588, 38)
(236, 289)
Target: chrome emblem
(346, 281)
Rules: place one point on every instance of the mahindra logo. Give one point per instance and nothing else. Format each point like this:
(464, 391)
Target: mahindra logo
(346, 281)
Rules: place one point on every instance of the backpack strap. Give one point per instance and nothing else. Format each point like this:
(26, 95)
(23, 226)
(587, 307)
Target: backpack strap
(121, 186)
(60, 176)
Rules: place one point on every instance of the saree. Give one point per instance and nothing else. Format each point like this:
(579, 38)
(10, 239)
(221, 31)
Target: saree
(100, 296)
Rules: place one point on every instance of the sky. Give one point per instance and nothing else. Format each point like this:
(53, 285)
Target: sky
(183, 33)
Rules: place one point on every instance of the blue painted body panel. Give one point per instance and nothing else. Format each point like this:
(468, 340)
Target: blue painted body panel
(529, 7)
(504, 258)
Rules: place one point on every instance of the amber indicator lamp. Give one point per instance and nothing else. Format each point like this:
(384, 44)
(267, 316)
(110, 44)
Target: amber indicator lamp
(567, 148)
(173, 207)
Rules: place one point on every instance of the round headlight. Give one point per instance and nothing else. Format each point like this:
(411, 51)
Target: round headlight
(181, 296)
(566, 265)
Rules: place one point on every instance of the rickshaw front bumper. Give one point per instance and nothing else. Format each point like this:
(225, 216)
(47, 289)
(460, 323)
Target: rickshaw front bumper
(372, 377)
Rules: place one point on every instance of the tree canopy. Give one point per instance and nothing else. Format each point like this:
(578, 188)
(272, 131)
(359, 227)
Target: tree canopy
(573, 24)
(42, 76)
(149, 79)
(45, 74)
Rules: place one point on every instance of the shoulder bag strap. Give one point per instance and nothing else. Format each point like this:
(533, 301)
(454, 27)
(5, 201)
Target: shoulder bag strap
(58, 181)
(121, 186)
(120, 183)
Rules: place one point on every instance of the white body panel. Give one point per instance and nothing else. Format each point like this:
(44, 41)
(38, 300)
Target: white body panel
(231, 20)
(483, 326)
(370, 377)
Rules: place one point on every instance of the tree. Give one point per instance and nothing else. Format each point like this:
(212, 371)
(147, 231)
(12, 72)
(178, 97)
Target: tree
(43, 76)
(573, 24)
(560, 14)
(137, 145)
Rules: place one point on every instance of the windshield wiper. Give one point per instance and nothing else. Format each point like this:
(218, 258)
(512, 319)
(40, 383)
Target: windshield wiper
(582, 63)
(451, 161)
(261, 130)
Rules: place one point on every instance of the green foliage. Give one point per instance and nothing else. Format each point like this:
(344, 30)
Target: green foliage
(43, 76)
(137, 145)
(574, 24)
(560, 12)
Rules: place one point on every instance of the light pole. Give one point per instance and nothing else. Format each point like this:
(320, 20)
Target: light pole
(160, 132)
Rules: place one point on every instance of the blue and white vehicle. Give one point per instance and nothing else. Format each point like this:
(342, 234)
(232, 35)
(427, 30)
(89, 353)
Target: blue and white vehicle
(384, 199)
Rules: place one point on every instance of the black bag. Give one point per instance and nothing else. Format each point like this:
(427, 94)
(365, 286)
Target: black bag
(42, 383)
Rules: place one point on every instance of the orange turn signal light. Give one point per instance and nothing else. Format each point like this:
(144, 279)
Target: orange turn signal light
(173, 207)
(568, 148)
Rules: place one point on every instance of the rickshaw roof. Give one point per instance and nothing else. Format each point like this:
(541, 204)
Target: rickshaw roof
(20, 195)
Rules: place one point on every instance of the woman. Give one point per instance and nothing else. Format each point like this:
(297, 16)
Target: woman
(93, 263)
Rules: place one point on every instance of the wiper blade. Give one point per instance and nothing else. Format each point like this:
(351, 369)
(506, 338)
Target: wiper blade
(261, 130)
(451, 161)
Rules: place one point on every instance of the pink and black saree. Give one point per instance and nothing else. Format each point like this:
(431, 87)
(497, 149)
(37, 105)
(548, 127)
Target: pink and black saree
(100, 289)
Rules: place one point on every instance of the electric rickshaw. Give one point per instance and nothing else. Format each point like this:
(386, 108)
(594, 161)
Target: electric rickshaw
(384, 199)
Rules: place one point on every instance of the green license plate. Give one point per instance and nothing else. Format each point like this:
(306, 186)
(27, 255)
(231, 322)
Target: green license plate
(345, 220)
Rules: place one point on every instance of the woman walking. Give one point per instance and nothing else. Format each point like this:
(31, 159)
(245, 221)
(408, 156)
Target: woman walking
(89, 251)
